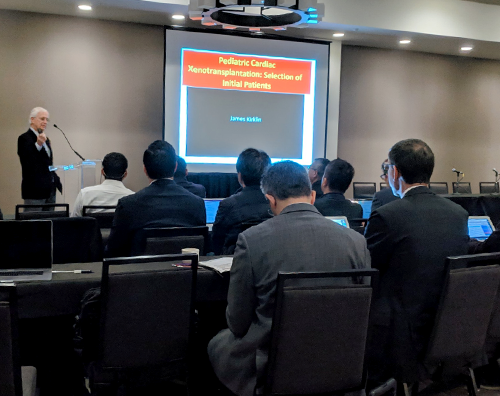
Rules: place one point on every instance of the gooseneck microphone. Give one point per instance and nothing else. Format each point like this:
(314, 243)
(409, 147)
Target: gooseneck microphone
(71, 147)
(496, 172)
(456, 171)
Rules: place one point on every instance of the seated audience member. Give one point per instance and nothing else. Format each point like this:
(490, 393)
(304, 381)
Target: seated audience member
(336, 180)
(316, 171)
(180, 176)
(409, 241)
(490, 245)
(247, 206)
(1, 214)
(114, 170)
(161, 204)
(384, 196)
(239, 353)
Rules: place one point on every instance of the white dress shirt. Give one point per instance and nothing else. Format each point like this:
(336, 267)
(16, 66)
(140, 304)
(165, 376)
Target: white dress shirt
(106, 194)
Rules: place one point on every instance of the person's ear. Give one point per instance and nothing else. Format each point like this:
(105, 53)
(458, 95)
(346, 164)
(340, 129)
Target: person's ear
(324, 182)
(102, 172)
(313, 197)
(175, 166)
(145, 171)
(272, 200)
(125, 174)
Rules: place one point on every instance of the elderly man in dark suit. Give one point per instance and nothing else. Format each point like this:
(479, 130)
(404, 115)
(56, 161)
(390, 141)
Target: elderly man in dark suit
(336, 180)
(180, 177)
(385, 195)
(162, 204)
(36, 155)
(409, 241)
(299, 239)
(246, 206)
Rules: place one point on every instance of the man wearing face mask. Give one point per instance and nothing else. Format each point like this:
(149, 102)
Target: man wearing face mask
(35, 153)
(409, 240)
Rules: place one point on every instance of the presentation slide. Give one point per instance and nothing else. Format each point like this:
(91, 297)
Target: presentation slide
(219, 102)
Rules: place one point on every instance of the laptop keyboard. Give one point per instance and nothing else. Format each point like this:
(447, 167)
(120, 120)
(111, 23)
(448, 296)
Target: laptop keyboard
(20, 273)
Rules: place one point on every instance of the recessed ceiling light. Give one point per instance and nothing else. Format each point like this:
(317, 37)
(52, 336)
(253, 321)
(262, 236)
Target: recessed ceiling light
(178, 17)
(405, 41)
(339, 34)
(84, 7)
(466, 48)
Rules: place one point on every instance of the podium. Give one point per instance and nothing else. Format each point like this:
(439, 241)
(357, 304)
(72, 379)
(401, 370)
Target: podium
(74, 177)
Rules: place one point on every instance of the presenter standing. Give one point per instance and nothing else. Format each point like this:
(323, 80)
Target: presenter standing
(35, 153)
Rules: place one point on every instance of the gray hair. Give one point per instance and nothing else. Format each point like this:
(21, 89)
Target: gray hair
(35, 112)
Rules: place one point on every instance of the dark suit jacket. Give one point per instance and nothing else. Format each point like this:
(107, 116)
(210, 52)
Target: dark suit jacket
(162, 204)
(491, 245)
(316, 186)
(335, 204)
(196, 189)
(299, 239)
(247, 206)
(383, 197)
(38, 182)
(409, 241)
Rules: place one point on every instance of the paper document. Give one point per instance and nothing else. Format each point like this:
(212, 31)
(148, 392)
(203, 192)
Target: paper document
(220, 265)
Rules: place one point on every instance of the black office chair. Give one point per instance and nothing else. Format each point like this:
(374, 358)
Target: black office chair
(169, 240)
(383, 186)
(14, 379)
(104, 217)
(45, 211)
(440, 188)
(319, 333)
(462, 188)
(461, 323)
(488, 187)
(146, 325)
(363, 190)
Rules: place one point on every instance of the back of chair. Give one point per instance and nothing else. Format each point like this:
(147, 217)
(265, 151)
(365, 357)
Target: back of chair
(45, 211)
(10, 368)
(488, 187)
(383, 185)
(464, 314)
(319, 333)
(440, 188)
(147, 311)
(104, 215)
(169, 240)
(363, 190)
(462, 188)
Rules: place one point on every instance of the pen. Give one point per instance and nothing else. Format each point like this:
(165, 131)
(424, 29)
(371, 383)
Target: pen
(74, 272)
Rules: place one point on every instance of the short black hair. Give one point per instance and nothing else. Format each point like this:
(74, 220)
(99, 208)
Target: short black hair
(181, 167)
(319, 165)
(159, 160)
(286, 179)
(251, 164)
(414, 160)
(339, 174)
(115, 166)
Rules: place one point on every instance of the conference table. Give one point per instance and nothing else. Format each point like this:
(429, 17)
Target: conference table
(479, 204)
(47, 311)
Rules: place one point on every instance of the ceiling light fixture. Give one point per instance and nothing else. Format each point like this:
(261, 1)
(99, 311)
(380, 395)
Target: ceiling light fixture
(178, 17)
(339, 34)
(256, 14)
(405, 41)
(85, 7)
(466, 48)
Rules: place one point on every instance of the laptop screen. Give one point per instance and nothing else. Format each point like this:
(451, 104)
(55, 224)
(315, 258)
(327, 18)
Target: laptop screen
(341, 220)
(480, 227)
(366, 204)
(211, 206)
(14, 254)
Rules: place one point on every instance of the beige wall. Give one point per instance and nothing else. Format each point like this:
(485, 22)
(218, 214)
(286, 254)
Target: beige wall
(452, 103)
(102, 83)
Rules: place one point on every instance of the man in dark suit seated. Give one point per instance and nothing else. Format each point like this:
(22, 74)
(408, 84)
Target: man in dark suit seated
(180, 177)
(247, 206)
(409, 241)
(297, 239)
(385, 195)
(336, 180)
(162, 204)
(316, 171)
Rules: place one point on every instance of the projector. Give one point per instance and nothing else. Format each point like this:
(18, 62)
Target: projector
(255, 15)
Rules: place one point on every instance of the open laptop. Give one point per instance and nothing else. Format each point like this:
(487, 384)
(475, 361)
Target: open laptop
(480, 227)
(25, 250)
(211, 206)
(342, 220)
(366, 204)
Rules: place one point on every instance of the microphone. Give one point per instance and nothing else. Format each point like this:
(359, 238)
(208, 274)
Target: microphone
(456, 171)
(71, 147)
(496, 172)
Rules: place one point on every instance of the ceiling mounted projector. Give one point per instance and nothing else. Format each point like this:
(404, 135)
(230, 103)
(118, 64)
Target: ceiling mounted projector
(255, 15)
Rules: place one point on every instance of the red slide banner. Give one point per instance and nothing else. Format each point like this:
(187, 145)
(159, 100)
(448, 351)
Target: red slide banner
(219, 70)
